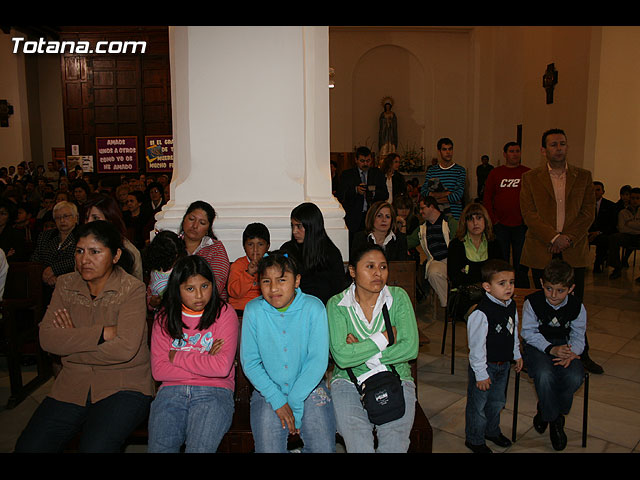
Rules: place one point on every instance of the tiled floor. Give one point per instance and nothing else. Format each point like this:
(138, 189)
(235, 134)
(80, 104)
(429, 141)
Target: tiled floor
(613, 309)
(614, 399)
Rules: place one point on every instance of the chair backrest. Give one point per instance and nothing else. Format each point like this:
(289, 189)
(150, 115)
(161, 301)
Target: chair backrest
(519, 295)
(24, 282)
(403, 274)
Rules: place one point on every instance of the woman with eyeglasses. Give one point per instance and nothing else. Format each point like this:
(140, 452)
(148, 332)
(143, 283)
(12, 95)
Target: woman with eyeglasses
(55, 248)
(473, 245)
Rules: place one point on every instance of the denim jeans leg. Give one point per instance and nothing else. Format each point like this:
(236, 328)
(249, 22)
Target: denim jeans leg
(51, 427)
(541, 369)
(268, 434)
(111, 420)
(569, 379)
(356, 429)
(496, 400)
(394, 437)
(318, 429)
(210, 414)
(168, 420)
(351, 418)
(475, 416)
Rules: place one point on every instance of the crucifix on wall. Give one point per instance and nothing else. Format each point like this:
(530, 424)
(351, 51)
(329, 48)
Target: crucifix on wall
(549, 81)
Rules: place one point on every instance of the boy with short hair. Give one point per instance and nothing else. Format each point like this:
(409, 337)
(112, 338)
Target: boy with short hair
(492, 330)
(243, 273)
(553, 332)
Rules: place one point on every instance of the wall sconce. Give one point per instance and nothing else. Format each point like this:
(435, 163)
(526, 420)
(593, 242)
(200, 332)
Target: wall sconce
(332, 74)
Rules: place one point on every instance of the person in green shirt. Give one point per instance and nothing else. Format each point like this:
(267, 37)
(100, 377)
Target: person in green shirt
(358, 340)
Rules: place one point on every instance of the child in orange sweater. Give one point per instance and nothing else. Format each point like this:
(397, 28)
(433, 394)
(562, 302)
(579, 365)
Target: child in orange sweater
(243, 277)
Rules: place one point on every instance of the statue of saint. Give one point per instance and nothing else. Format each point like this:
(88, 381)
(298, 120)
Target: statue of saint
(388, 129)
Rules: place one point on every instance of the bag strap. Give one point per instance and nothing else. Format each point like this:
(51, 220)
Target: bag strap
(387, 323)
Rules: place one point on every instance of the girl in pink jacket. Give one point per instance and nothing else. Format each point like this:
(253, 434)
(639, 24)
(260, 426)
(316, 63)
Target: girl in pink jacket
(193, 347)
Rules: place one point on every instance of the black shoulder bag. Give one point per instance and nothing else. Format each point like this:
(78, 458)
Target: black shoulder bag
(381, 394)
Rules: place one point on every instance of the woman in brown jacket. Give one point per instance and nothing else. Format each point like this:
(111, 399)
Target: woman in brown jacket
(96, 322)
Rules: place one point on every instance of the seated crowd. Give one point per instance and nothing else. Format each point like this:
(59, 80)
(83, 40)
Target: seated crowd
(302, 313)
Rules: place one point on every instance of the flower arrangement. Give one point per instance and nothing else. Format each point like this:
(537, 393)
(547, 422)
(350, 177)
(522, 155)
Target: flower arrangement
(412, 159)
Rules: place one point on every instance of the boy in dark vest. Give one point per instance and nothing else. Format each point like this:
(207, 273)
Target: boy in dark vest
(492, 330)
(553, 328)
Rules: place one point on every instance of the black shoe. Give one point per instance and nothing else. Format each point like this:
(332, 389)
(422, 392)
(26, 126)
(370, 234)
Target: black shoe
(556, 432)
(500, 440)
(478, 448)
(590, 366)
(617, 273)
(539, 424)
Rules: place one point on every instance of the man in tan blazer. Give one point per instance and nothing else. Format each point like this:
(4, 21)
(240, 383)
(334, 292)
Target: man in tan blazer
(558, 204)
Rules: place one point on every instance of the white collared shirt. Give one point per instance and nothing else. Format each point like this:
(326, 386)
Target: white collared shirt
(384, 298)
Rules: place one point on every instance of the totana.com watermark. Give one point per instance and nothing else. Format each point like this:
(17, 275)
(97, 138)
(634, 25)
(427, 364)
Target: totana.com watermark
(20, 45)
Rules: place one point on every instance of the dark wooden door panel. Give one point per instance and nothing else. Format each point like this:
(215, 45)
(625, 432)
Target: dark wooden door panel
(116, 94)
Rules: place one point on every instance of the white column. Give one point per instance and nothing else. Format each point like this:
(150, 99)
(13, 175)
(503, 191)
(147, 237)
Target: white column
(250, 112)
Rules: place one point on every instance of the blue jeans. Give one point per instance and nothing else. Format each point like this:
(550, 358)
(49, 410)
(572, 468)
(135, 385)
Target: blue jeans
(511, 241)
(195, 416)
(317, 431)
(356, 429)
(483, 409)
(105, 424)
(555, 385)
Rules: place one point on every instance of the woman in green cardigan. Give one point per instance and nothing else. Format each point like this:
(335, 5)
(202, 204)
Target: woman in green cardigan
(359, 340)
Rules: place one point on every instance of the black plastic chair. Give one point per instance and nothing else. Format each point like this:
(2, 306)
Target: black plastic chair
(585, 408)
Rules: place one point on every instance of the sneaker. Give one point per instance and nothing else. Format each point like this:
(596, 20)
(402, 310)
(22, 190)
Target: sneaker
(500, 440)
(557, 435)
(539, 424)
(478, 448)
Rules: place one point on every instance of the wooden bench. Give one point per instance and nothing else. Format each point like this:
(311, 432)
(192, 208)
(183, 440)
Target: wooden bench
(239, 438)
(22, 309)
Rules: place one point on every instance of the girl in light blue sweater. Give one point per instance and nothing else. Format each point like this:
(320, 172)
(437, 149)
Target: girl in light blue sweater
(284, 351)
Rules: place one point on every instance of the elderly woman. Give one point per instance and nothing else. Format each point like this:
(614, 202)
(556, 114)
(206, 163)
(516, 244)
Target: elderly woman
(473, 245)
(55, 248)
(197, 232)
(96, 322)
(381, 229)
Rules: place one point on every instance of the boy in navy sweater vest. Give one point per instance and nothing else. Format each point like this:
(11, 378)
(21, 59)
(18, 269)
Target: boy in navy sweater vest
(492, 330)
(553, 328)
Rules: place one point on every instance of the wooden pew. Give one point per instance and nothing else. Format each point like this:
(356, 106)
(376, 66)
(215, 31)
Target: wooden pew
(22, 309)
(239, 438)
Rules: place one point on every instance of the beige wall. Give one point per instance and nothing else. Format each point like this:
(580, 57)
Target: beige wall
(426, 71)
(14, 139)
(477, 84)
(31, 83)
(616, 144)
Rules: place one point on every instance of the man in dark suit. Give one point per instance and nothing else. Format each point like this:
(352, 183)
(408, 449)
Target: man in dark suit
(603, 226)
(359, 188)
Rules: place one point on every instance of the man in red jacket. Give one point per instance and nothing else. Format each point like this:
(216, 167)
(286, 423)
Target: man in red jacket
(502, 201)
